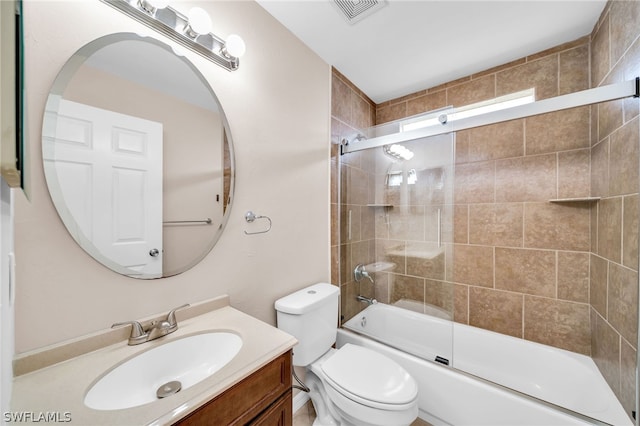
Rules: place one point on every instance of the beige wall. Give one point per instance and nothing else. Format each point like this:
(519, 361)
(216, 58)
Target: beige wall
(277, 105)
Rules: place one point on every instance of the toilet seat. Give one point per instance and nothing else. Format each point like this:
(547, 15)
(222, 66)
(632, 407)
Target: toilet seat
(369, 378)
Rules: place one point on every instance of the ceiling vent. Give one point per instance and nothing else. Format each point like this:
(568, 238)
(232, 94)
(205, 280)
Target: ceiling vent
(356, 10)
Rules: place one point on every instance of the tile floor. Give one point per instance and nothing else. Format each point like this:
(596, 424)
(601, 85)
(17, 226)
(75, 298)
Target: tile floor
(305, 416)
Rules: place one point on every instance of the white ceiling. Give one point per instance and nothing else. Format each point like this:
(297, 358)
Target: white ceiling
(408, 46)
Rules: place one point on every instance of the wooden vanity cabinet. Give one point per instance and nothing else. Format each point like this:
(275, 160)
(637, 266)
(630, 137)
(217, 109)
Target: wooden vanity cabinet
(263, 398)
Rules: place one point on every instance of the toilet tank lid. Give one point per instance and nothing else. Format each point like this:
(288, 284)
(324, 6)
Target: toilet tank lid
(307, 299)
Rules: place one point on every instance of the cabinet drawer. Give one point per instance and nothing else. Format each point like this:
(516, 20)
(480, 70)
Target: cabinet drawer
(247, 399)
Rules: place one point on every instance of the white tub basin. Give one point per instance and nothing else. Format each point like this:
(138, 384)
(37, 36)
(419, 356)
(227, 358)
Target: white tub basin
(187, 360)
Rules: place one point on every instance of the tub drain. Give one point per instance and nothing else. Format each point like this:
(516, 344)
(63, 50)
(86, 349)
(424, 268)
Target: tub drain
(168, 389)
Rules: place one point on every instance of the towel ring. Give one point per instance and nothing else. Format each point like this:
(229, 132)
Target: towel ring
(251, 217)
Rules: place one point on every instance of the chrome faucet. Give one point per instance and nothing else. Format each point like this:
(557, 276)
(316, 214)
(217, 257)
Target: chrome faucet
(369, 301)
(360, 273)
(154, 329)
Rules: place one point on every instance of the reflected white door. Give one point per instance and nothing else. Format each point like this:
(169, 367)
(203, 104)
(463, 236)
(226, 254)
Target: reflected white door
(109, 166)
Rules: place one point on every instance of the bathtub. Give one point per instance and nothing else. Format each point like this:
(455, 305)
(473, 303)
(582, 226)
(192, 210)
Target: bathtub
(458, 378)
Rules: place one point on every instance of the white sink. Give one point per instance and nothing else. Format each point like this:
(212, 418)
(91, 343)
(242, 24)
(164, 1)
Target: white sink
(187, 360)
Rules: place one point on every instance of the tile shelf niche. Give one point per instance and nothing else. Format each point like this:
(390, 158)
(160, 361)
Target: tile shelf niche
(380, 205)
(575, 200)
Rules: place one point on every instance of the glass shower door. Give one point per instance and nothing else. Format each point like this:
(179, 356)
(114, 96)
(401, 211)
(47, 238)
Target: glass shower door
(403, 240)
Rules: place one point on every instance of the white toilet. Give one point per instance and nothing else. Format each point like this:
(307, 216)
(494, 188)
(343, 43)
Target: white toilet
(352, 385)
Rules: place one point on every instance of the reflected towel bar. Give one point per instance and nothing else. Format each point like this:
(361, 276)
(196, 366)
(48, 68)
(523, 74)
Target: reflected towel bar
(208, 221)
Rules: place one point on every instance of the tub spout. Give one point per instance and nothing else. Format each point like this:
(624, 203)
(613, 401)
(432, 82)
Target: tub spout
(370, 301)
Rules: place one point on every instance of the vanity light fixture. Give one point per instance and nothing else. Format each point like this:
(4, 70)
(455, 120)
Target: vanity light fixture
(192, 30)
(398, 152)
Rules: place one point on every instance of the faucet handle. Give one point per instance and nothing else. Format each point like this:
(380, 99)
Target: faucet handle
(171, 316)
(138, 335)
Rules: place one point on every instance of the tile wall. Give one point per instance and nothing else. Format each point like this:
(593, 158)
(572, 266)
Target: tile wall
(615, 136)
(563, 274)
(351, 112)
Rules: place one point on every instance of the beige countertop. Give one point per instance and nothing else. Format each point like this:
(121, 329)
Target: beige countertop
(59, 389)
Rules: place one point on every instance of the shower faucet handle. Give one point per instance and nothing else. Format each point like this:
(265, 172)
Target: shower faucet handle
(359, 273)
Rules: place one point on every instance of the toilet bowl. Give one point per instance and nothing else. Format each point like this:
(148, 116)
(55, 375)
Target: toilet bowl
(352, 385)
(364, 388)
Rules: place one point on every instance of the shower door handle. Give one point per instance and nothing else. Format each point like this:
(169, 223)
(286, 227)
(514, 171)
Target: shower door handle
(439, 227)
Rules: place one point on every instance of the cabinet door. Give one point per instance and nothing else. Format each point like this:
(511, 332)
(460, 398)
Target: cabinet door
(248, 399)
(279, 414)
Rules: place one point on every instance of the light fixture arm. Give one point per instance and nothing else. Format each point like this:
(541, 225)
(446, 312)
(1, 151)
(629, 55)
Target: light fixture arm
(175, 25)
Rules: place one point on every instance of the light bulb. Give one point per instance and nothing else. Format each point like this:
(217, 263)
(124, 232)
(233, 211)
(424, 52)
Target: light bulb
(199, 22)
(235, 46)
(158, 4)
(152, 5)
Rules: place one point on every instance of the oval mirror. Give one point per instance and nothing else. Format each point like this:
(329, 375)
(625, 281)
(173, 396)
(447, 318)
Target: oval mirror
(137, 156)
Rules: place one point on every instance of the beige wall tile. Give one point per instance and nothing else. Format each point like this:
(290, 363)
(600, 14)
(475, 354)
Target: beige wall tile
(526, 271)
(600, 169)
(502, 140)
(557, 226)
(631, 70)
(630, 232)
(599, 281)
(623, 301)
(355, 185)
(624, 16)
(405, 287)
(335, 225)
(381, 280)
(557, 323)
(526, 178)
(610, 228)
(440, 294)
(600, 58)
(462, 146)
(574, 174)
(361, 112)
(477, 90)
(558, 131)
(475, 183)
(610, 115)
(473, 265)
(594, 227)
(605, 350)
(340, 99)
(461, 223)
(496, 224)
(623, 161)
(542, 74)
(335, 265)
(349, 306)
(425, 260)
(461, 303)
(392, 251)
(495, 310)
(406, 223)
(426, 103)
(574, 69)
(573, 276)
(391, 112)
(628, 364)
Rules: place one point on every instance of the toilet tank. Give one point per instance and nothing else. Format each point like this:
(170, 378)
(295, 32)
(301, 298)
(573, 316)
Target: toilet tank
(311, 316)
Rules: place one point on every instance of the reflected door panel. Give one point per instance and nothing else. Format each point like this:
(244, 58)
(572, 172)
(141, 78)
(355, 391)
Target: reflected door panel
(115, 162)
